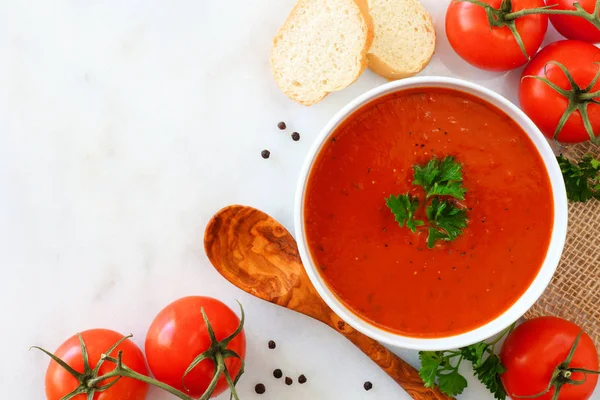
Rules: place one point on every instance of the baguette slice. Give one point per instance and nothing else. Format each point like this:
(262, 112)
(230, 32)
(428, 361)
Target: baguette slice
(404, 38)
(322, 47)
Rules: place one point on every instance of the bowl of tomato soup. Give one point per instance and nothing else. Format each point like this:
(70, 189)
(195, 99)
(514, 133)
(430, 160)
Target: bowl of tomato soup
(431, 213)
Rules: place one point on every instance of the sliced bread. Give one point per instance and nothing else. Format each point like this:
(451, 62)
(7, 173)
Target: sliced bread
(322, 47)
(404, 38)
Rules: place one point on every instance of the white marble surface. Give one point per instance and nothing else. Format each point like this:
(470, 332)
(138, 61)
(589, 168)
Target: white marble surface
(124, 125)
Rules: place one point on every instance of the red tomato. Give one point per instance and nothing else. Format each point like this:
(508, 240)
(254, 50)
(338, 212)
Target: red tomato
(575, 27)
(532, 352)
(98, 341)
(495, 49)
(544, 105)
(178, 335)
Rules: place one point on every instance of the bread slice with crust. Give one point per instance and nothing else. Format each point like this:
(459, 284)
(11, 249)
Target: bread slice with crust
(321, 48)
(404, 38)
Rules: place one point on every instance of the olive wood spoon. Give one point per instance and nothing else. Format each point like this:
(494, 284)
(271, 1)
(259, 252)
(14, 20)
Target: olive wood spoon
(258, 255)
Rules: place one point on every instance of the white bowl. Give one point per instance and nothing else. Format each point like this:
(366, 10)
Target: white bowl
(540, 282)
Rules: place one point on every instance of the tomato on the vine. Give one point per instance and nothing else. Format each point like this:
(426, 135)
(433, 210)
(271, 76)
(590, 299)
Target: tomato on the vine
(570, 104)
(179, 335)
(573, 27)
(537, 353)
(495, 48)
(59, 382)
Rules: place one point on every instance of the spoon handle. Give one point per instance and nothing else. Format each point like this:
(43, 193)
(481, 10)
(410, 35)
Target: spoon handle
(257, 254)
(399, 370)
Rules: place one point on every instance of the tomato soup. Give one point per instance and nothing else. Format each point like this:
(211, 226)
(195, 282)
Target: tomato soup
(385, 273)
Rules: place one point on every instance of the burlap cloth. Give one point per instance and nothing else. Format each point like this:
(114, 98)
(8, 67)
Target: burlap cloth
(574, 293)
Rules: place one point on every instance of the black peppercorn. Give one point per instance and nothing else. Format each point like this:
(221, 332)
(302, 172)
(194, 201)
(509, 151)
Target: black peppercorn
(260, 388)
(302, 379)
(265, 154)
(368, 386)
(282, 125)
(277, 373)
(295, 136)
(288, 380)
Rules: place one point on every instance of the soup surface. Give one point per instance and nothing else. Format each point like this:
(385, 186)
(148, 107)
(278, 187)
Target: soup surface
(387, 274)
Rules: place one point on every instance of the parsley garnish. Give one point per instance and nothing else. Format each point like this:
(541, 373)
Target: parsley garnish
(447, 221)
(441, 178)
(437, 364)
(582, 179)
(403, 207)
(441, 366)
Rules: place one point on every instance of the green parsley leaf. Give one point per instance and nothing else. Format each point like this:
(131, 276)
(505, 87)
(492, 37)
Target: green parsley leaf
(475, 353)
(489, 374)
(438, 365)
(453, 383)
(441, 178)
(582, 179)
(430, 362)
(487, 370)
(446, 219)
(403, 207)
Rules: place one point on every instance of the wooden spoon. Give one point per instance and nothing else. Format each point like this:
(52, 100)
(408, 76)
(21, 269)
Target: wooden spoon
(258, 255)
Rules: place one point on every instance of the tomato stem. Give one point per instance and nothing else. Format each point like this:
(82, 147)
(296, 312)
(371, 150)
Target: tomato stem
(593, 17)
(579, 99)
(218, 352)
(122, 370)
(506, 17)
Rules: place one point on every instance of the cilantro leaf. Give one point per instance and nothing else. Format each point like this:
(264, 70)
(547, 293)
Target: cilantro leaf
(446, 219)
(453, 383)
(582, 179)
(403, 207)
(441, 178)
(489, 374)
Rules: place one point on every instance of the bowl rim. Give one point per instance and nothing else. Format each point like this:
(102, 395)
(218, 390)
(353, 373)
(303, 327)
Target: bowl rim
(527, 299)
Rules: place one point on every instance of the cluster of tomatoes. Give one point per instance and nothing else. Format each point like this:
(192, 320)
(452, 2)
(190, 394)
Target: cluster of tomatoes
(560, 89)
(194, 348)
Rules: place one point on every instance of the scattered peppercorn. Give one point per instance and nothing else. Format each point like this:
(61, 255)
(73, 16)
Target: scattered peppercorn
(260, 388)
(295, 136)
(302, 379)
(265, 154)
(282, 125)
(288, 380)
(368, 386)
(272, 344)
(277, 373)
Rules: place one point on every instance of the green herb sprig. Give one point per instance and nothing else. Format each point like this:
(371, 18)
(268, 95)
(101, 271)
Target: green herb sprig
(582, 179)
(439, 178)
(442, 367)
(403, 207)
(446, 221)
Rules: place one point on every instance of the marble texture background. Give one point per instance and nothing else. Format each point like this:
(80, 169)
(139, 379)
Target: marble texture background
(124, 125)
